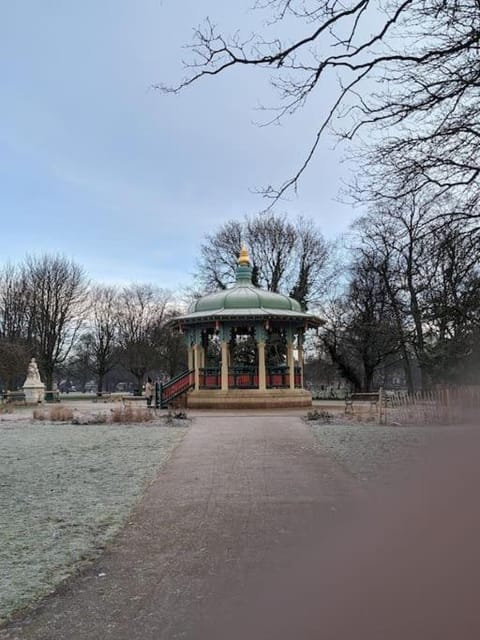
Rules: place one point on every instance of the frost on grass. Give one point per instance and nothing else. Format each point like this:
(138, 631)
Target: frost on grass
(64, 491)
(370, 451)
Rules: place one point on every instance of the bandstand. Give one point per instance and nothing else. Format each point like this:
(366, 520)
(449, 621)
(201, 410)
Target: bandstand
(245, 347)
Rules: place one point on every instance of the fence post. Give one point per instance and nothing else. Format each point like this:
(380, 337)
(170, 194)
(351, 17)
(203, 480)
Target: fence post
(380, 404)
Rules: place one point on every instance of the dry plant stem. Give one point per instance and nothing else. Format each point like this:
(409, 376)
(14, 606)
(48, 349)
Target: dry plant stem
(54, 414)
(127, 415)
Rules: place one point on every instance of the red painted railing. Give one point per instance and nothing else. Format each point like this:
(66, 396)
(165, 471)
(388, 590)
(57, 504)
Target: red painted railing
(279, 378)
(298, 377)
(176, 387)
(210, 378)
(243, 378)
(247, 378)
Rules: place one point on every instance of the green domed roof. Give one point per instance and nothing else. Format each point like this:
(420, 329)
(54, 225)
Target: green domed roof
(244, 295)
(247, 303)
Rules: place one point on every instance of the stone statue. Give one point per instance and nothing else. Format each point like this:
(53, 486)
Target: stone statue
(33, 374)
(33, 386)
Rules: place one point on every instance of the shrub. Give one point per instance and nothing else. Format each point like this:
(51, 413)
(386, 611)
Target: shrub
(39, 414)
(173, 415)
(177, 415)
(319, 416)
(53, 414)
(127, 415)
(6, 408)
(90, 418)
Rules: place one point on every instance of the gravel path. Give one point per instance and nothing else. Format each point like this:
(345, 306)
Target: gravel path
(64, 492)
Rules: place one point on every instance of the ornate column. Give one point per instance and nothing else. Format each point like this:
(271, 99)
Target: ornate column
(195, 341)
(224, 335)
(201, 357)
(189, 336)
(261, 336)
(290, 361)
(196, 360)
(262, 374)
(203, 348)
(301, 335)
(224, 365)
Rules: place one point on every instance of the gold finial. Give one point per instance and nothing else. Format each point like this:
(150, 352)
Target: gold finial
(244, 258)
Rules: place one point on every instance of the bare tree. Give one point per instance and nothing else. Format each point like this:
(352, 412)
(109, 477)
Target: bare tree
(15, 347)
(360, 332)
(371, 329)
(15, 299)
(288, 257)
(78, 367)
(102, 339)
(408, 74)
(452, 304)
(57, 294)
(389, 248)
(14, 357)
(219, 254)
(312, 255)
(143, 310)
(272, 241)
(171, 345)
(402, 233)
(332, 338)
(430, 273)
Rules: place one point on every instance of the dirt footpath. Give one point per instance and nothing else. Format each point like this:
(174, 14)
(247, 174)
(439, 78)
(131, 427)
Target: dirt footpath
(234, 490)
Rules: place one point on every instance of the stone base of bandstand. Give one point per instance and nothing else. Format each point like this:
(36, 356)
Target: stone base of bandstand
(34, 395)
(249, 399)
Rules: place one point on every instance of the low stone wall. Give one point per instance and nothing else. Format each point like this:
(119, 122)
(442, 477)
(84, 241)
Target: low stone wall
(249, 399)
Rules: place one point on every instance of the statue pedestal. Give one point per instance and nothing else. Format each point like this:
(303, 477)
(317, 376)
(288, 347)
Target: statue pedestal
(34, 394)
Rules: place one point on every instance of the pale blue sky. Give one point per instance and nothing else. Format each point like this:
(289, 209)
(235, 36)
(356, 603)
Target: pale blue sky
(97, 165)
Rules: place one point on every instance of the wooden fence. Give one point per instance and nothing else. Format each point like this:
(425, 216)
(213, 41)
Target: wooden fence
(442, 405)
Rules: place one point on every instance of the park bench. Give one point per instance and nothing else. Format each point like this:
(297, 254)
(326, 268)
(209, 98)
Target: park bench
(10, 397)
(373, 398)
(52, 395)
(102, 397)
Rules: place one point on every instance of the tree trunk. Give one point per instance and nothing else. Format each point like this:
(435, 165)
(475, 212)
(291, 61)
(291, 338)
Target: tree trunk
(49, 380)
(417, 316)
(368, 380)
(407, 367)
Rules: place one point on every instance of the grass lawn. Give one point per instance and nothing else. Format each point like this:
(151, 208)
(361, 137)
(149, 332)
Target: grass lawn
(65, 490)
(372, 452)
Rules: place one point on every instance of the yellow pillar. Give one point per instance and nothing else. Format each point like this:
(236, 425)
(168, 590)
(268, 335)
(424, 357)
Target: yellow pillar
(224, 366)
(262, 377)
(291, 363)
(196, 360)
(300, 361)
(190, 358)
